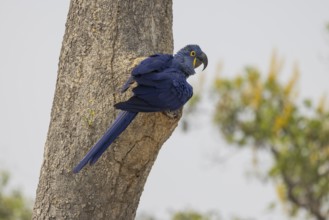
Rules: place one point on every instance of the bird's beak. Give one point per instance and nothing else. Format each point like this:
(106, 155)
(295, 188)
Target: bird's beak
(202, 59)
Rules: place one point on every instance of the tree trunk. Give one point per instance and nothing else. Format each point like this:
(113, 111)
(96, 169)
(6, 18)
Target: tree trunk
(101, 42)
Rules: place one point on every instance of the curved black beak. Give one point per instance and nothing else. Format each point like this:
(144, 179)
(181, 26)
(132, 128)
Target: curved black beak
(202, 59)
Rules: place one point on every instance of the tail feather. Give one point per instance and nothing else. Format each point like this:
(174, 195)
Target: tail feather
(118, 126)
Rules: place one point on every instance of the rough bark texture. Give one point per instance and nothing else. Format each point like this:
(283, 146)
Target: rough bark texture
(102, 40)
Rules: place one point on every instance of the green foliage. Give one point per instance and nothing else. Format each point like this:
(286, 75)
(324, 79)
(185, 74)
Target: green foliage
(13, 206)
(193, 215)
(253, 111)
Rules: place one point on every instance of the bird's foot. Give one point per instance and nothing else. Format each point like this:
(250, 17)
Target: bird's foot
(173, 114)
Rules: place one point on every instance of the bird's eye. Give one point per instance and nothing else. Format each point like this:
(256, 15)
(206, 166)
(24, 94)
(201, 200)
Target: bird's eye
(192, 53)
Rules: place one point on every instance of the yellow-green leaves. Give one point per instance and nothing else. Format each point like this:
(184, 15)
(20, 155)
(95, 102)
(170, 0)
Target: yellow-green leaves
(263, 112)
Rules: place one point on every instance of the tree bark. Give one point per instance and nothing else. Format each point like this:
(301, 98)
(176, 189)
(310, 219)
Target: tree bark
(101, 41)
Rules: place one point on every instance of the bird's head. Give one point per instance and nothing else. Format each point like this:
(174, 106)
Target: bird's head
(191, 56)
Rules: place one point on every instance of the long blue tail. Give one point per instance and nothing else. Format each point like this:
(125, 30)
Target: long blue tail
(119, 125)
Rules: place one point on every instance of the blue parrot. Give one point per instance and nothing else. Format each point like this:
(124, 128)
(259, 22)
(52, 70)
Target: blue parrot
(161, 86)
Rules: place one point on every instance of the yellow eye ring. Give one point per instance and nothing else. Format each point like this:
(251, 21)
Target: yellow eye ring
(192, 53)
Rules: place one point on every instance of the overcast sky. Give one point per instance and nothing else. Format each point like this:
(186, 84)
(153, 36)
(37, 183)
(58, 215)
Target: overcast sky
(185, 175)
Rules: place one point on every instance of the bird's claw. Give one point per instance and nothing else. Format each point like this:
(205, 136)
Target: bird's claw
(173, 114)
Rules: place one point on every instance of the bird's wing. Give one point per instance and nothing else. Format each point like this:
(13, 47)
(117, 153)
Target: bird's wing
(153, 64)
(165, 94)
(127, 84)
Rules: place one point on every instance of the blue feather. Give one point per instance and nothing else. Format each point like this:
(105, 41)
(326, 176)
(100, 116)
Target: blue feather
(161, 86)
(119, 125)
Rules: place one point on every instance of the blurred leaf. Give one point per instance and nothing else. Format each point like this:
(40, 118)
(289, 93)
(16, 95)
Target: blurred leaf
(194, 215)
(307, 103)
(13, 206)
(252, 111)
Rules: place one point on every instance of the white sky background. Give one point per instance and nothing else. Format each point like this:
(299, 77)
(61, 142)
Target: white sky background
(185, 175)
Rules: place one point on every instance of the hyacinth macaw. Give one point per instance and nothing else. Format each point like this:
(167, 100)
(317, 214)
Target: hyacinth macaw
(161, 86)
